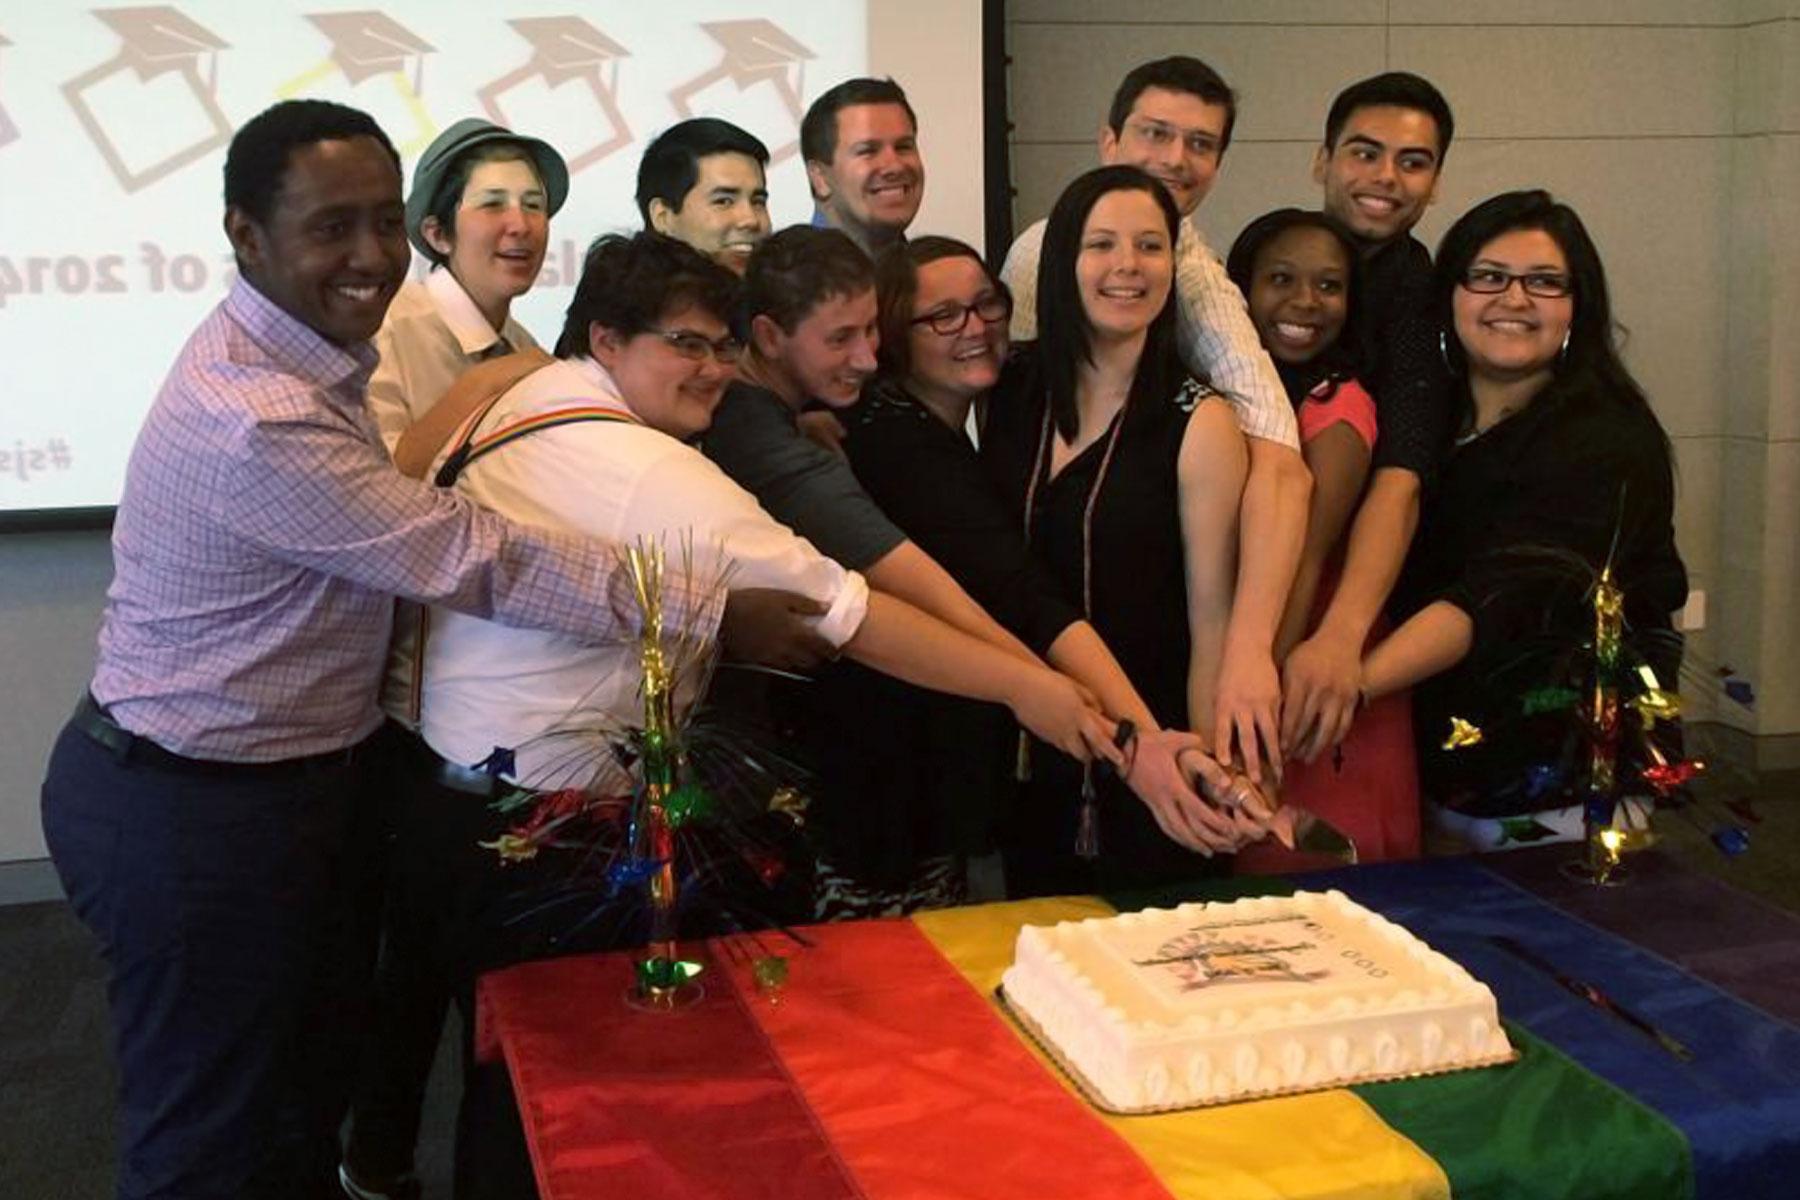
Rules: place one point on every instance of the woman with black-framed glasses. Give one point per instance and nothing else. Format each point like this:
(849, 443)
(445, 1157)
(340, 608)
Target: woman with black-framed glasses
(1559, 468)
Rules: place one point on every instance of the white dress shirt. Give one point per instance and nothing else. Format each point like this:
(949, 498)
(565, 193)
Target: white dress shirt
(1212, 330)
(552, 699)
(433, 333)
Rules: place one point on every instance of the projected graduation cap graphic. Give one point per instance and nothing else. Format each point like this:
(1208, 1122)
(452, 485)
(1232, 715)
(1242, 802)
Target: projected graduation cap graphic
(369, 45)
(157, 69)
(564, 50)
(8, 131)
(755, 52)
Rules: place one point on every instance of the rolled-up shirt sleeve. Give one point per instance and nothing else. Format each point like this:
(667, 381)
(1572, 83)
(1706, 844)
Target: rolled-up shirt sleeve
(1220, 345)
(685, 496)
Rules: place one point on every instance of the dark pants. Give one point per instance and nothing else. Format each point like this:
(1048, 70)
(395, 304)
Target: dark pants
(453, 910)
(236, 916)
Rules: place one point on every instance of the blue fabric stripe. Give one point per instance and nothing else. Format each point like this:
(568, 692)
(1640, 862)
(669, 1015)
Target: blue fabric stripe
(1737, 1102)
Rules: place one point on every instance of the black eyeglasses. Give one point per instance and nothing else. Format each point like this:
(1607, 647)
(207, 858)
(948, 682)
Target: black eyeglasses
(1491, 281)
(951, 319)
(694, 347)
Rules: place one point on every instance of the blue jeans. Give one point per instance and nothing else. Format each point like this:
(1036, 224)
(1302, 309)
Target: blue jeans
(236, 916)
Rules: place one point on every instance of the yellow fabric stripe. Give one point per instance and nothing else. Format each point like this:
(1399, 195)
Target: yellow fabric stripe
(1323, 1144)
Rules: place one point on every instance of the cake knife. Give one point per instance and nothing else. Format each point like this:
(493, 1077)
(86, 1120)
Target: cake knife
(1294, 826)
(1594, 996)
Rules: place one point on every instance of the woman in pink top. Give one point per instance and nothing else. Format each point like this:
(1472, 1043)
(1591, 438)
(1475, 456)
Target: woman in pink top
(1297, 270)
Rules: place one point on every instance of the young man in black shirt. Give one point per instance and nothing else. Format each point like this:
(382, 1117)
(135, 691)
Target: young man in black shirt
(1385, 142)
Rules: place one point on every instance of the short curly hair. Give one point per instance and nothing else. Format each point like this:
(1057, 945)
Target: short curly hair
(256, 162)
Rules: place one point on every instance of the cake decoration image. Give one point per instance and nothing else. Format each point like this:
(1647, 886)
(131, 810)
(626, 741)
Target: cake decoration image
(1199, 961)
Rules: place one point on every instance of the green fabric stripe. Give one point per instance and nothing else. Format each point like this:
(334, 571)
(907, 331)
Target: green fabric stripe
(1583, 1138)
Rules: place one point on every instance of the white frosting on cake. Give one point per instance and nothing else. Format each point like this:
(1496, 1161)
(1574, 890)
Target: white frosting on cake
(1212, 1002)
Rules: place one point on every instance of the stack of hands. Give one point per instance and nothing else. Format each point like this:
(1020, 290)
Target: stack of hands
(1200, 799)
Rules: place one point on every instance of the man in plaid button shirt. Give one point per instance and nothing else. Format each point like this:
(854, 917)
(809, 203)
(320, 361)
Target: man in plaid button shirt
(211, 807)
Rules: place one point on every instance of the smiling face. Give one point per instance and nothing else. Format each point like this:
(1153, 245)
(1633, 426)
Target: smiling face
(667, 390)
(872, 187)
(1383, 172)
(831, 352)
(1512, 334)
(963, 364)
(1125, 264)
(333, 251)
(1299, 293)
(1176, 137)
(725, 214)
(502, 230)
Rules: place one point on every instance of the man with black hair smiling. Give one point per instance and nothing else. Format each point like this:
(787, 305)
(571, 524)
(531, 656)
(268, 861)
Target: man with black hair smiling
(1385, 142)
(704, 182)
(211, 807)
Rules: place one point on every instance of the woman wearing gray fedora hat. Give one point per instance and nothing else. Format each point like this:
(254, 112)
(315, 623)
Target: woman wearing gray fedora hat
(479, 211)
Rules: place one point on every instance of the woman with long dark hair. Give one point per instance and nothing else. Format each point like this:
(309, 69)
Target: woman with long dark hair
(1560, 470)
(1125, 476)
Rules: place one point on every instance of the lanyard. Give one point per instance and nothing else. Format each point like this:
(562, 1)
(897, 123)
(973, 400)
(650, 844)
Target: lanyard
(1087, 828)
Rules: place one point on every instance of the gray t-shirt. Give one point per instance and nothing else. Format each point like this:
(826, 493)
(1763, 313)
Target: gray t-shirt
(756, 440)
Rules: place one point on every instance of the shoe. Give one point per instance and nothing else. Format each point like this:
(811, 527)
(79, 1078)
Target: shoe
(406, 1187)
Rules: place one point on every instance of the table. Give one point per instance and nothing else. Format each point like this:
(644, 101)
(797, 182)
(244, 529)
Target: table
(886, 1071)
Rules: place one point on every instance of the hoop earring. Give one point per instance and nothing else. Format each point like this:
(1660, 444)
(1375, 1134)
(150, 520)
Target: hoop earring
(1444, 352)
(1562, 355)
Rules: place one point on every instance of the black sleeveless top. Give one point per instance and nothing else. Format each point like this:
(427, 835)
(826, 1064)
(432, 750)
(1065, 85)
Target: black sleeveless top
(1137, 577)
(1138, 593)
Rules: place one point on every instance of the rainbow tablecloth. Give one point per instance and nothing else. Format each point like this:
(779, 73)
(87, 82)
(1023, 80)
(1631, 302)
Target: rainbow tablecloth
(887, 1072)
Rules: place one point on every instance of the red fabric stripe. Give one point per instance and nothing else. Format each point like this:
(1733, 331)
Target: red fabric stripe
(685, 1105)
(922, 1088)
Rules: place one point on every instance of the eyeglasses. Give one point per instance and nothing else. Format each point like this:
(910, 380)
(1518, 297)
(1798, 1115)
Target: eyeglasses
(951, 319)
(1491, 281)
(1199, 142)
(693, 347)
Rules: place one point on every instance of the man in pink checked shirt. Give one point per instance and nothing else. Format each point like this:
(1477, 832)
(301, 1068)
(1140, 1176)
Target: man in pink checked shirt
(212, 807)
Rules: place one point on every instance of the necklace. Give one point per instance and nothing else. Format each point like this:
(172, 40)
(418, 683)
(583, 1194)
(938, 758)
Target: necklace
(1476, 429)
(1087, 827)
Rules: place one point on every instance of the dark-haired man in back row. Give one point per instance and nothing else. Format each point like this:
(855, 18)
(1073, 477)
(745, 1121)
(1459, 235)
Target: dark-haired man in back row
(1385, 142)
(704, 182)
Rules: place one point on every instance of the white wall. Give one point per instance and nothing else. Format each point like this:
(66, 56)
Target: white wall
(1672, 126)
(52, 586)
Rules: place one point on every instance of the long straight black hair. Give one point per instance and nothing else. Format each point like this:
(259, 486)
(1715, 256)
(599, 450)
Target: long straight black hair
(1064, 334)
